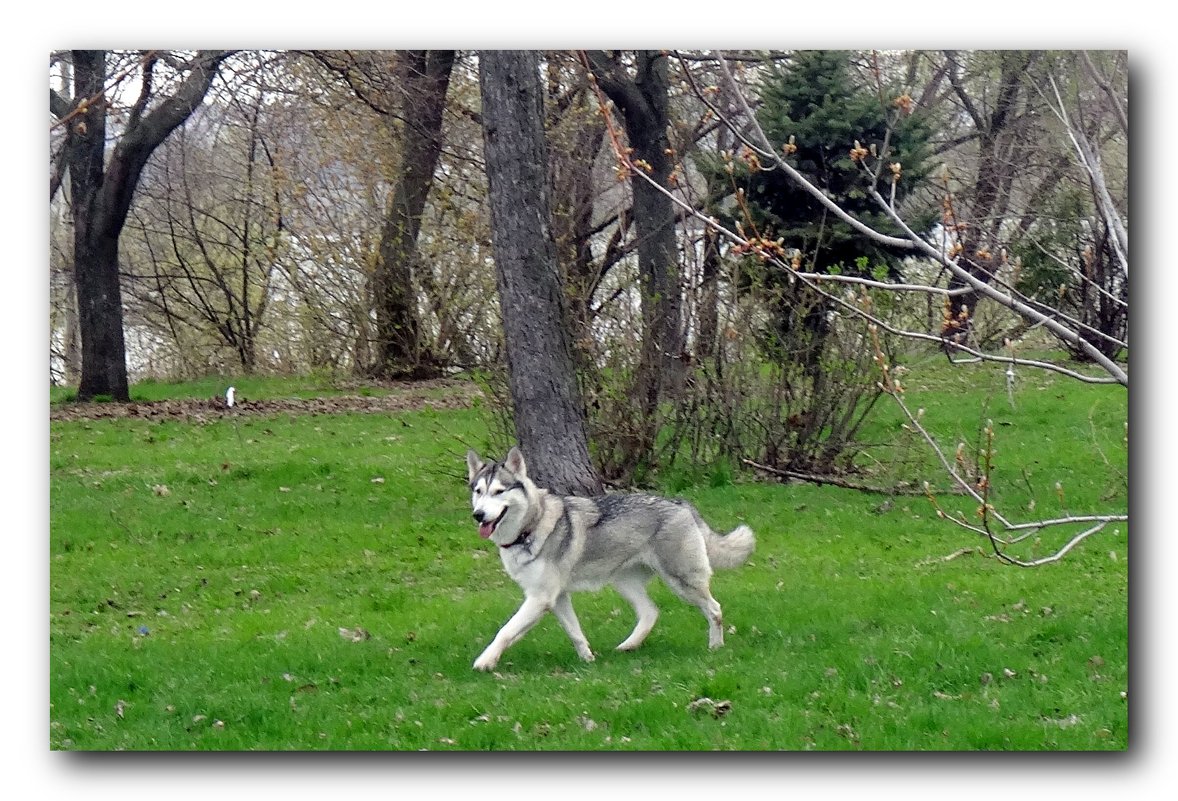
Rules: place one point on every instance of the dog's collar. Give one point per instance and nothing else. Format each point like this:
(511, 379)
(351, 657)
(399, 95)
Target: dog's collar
(524, 536)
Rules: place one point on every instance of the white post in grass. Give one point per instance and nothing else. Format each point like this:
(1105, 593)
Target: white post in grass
(230, 396)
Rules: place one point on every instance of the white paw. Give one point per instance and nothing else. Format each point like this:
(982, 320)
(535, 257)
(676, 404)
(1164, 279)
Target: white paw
(486, 662)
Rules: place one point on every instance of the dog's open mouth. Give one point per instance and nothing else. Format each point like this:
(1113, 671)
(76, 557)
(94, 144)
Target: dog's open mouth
(486, 529)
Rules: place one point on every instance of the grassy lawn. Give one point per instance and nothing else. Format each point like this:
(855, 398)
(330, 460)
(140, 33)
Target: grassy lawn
(315, 582)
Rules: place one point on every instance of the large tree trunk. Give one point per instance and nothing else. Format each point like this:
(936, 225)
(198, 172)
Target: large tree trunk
(425, 76)
(100, 315)
(96, 242)
(549, 413)
(102, 199)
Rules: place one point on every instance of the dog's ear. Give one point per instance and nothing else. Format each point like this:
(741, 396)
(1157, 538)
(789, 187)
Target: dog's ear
(473, 465)
(515, 462)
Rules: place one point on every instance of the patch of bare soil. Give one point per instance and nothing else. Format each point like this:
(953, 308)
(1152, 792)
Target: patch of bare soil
(442, 393)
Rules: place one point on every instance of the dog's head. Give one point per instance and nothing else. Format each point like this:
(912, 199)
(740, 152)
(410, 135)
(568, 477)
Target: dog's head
(500, 496)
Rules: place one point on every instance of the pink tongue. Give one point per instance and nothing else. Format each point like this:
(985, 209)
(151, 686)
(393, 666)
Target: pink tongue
(485, 530)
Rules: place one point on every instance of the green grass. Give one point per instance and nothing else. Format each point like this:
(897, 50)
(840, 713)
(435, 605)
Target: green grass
(316, 584)
(1056, 431)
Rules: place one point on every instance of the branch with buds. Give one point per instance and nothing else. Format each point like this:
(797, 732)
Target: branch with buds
(759, 153)
(767, 253)
(1037, 314)
(980, 487)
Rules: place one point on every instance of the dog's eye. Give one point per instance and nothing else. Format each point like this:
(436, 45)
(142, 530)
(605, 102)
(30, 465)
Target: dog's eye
(498, 491)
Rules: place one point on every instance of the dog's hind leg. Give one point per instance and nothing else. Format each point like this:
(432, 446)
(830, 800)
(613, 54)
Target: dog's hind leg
(563, 609)
(699, 595)
(632, 587)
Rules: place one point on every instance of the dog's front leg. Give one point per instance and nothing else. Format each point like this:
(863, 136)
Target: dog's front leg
(563, 609)
(525, 617)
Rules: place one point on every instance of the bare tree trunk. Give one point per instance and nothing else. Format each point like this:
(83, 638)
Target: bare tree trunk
(413, 93)
(96, 269)
(548, 410)
(72, 346)
(709, 294)
(425, 76)
(991, 189)
(102, 199)
(643, 103)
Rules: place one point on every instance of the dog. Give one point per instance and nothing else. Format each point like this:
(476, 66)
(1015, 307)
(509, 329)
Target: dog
(553, 545)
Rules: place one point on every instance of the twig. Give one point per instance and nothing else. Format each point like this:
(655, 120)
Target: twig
(985, 508)
(134, 537)
(1007, 299)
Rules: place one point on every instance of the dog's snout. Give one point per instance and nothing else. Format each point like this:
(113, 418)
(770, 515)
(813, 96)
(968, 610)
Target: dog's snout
(478, 515)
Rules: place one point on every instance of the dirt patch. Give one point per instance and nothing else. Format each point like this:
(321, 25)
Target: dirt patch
(439, 394)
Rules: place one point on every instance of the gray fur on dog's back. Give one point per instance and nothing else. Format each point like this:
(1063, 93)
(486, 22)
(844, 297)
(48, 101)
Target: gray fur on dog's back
(664, 534)
(553, 545)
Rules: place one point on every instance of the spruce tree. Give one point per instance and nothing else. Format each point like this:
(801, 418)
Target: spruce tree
(815, 110)
(817, 105)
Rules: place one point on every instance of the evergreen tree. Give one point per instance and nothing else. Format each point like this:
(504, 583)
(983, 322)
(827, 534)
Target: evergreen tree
(816, 110)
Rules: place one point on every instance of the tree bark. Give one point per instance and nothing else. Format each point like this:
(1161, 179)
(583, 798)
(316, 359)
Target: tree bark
(548, 409)
(425, 76)
(708, 314)
(102, 196)
(643, 103)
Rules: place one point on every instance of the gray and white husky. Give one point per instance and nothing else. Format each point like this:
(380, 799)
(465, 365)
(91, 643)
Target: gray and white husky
(552, 545)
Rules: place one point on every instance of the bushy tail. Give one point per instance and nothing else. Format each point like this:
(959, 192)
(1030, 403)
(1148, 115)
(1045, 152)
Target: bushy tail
(730, 550)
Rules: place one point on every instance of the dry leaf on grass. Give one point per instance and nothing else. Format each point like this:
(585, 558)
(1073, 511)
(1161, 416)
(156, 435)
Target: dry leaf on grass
(355, 635)
(716, 709)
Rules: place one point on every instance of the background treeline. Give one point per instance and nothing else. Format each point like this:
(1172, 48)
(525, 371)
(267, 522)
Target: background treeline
(327, 211)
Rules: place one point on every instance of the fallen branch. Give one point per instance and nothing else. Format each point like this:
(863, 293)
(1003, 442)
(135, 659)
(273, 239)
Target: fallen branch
(932, 560)
(832, 481)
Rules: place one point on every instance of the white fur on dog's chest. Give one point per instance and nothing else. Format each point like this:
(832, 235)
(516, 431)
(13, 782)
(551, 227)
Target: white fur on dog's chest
(534, 576)
(518, 561)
